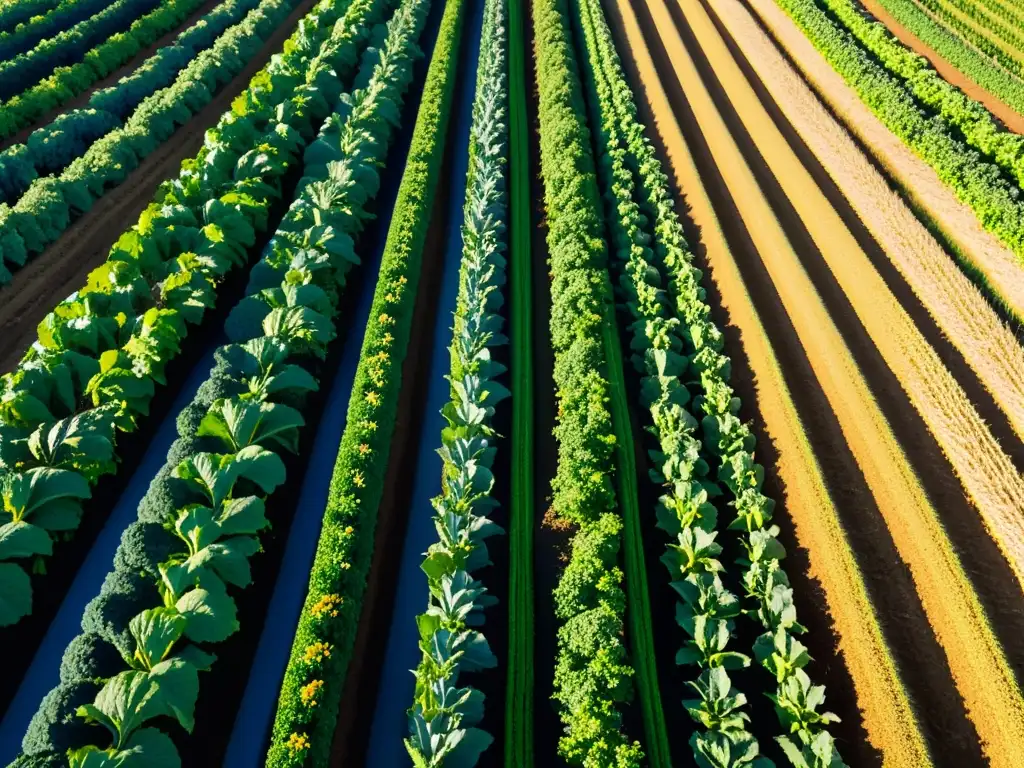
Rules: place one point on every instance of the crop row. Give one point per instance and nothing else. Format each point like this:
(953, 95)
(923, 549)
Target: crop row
(303, 732)
(975, 181)
(1008, 39)
(65, 15)
(678, 352)
(101, 353)
(47, 208)
(1003, 80)
(593, 677)
(61, 67)
(15, 12)
(961, 112)
(443, 716)
(50, 148)
(168, 596)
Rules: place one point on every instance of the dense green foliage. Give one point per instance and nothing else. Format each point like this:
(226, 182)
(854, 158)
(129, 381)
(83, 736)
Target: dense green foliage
(443, 717)
(519, 690)
(593, 677)
(974, 57)
(51, 202)
(1009, 38)
(50, 148)
(303, 733)
(199, 522)
(102, 352)
(17, 12)
(699, 464)
(64, 66)
(65, 15)
(975, 181)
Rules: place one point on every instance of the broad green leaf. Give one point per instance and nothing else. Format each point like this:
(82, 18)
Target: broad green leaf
(23, 539)
(15, 594)
(155, 632)
(210, 611)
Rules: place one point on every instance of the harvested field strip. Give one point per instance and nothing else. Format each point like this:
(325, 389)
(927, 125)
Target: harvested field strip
(985, 470)
(957, 307)
(996, 264)
(977, 661)
(883, 702)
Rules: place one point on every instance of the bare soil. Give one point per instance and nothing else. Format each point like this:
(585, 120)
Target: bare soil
(933, 641)
(955, 304)
(1010, 118)
(998, 264)
(62, 268)
(83, 98)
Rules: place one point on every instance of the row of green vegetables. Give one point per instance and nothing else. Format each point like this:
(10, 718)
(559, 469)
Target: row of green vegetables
(50, 148)
(69, 46)
(311, 692)
(1010, 38)
(684, 375)
(1014, 16)
(50, 204)
(59, 68)
(973, 121)
(169, 598)
(987, 64)
(593, 677)
(66, 14)
(101, 353)
(975, 181)
(444, 717)
(15, 12)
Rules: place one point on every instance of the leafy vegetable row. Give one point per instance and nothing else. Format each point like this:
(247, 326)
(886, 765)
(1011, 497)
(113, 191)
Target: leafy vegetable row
(1006, 35)
(678, 352)
(977, 125)
(593, 678)
(47, 208)
(61, 67)
(66, 14)
(50, 148)
(102, 351)
(69, 46)
(975, 57)
(170, 593)
(975, 181)
(17, 12)
(304, 726)
(443, 717)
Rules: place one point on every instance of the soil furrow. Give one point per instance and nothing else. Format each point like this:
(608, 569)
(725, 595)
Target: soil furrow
(955, 304)
(809, 501)
(62, 268)
(975, 656)
(995, 265)
(885, 342)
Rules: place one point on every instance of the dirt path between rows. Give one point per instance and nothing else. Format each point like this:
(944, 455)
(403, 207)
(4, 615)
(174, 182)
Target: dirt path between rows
(83, 98)
(957, 306)
(985, 470)
(807, 501)
(853, 319)
(997, 263)
(1010, 118)
(62, 268)
(976, 660)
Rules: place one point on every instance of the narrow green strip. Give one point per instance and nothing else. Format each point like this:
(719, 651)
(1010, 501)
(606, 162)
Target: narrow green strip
(519, 693)
(638, 606)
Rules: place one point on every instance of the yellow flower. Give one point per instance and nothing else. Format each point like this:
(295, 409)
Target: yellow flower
(372, 398)
(317, 652)
(297, 742)
(308, 693)
(349, 531)
(328, 604)
(364, 448)
(388, 338)
(385, 319)
(369, 426)
(357, 478)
